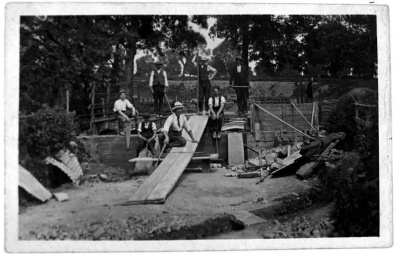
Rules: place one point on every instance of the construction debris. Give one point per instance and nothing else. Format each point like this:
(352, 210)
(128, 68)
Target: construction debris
(68, 163)
(61, 197)
(103, 177)
(29, 183)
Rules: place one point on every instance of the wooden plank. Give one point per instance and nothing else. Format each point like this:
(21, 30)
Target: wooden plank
(257, 133)
(285, 122)
(29, 183)
(235, 149)
(301, 114)
(144, 191)
(198, 124)
(143, 158)
(163, 189)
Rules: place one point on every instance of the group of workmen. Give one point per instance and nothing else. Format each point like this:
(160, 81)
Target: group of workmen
(171, 135)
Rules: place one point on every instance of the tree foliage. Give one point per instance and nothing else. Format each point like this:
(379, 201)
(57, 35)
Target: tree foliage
(61, 53)
(333, 44)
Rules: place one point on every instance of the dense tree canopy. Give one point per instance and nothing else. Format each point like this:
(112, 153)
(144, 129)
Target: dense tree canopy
(72, 52)
(335, 45)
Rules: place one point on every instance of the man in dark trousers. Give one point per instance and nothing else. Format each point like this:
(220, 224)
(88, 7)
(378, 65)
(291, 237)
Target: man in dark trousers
(239, 76)
(146, 134)
(158, 85)
(172, 131)
(310, 90)
(216, 108)
(206, 74)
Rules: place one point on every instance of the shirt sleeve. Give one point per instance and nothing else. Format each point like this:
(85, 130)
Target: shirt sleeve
(186, 125)
(116, 106)
(223, 99)
(151, 79)
(139, 129)
(166, 79)
(210, 68)
(153, 126)
(129, 104)
(210, 101)
(194, 60)
(168, 123)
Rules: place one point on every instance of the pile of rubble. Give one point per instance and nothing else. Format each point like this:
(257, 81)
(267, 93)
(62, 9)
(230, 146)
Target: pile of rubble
(305, 156)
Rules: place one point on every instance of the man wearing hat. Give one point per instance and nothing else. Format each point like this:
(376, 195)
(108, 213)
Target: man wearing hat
(146, 134)
(158, 85)
(239, 76)
(206, 74)
(173, 128)
(120, 108)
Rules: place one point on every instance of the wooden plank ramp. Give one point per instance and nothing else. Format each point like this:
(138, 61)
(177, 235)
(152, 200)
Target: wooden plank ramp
(159, 185)
(235, 149)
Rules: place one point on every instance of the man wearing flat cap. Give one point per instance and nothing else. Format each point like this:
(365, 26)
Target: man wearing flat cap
(239, 80)
(146, 134)
(172, 131)
(206, 74)
(158, 85)
(123, 115)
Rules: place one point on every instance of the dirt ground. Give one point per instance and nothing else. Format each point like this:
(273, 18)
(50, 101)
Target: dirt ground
(196, 197)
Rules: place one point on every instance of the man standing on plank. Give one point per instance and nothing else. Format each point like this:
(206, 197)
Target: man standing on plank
(158, 85)
(146, 134)
(123, 115)
(216, 107)
(172, 131)
(206, 74)
(239, 76)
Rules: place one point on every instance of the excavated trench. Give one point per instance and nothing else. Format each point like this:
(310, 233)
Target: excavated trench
(228, 225)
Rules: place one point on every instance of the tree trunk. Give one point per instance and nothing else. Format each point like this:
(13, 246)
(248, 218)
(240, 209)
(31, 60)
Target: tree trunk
(245, 45)
(128, 85)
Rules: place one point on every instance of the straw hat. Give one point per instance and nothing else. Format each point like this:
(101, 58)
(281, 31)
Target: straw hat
(177, 105)
(158, 62)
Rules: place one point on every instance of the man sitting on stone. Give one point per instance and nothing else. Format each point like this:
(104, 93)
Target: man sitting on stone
(172, 131)
(216, 108)
(123, 115)
(146, 134)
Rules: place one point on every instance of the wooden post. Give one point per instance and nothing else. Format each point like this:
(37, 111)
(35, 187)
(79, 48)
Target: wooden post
(313, 113)
(92, 104)
(138, 97)
(103, 107)
(108, 100)
(67, 101)
(197, 61)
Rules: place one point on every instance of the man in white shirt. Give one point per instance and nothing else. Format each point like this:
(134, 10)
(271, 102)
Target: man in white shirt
(123, 115)
(158, 85)
(172, 131)
(206, 73)
(216, 108)
(146, 134)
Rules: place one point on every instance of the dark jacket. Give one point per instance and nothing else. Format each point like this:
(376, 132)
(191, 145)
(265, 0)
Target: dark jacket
(239, 79)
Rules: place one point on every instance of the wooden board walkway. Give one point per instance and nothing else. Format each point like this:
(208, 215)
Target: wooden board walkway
(235, 149)
(159, 185)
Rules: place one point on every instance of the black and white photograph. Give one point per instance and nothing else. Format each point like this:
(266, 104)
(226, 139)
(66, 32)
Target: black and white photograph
(196, 126)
